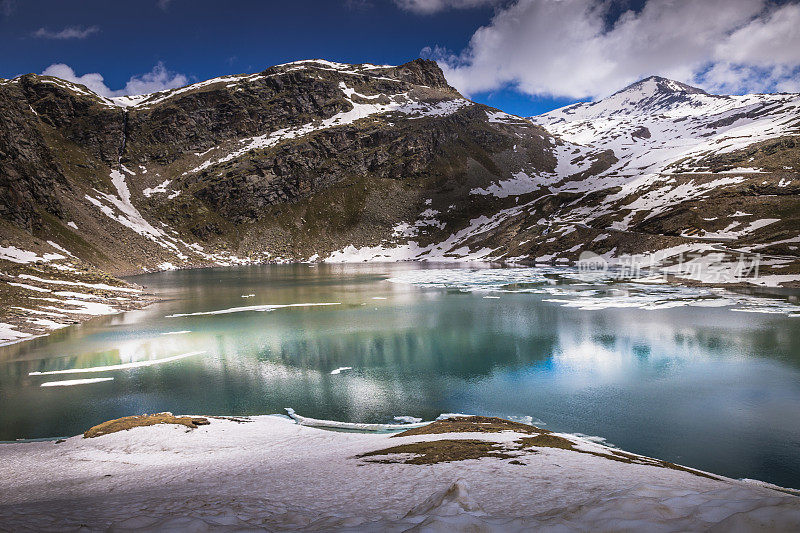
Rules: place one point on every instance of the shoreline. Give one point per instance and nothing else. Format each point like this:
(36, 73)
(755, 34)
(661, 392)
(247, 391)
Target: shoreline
(40, 298)
(26, 324)
(393, 429)
(267, 472)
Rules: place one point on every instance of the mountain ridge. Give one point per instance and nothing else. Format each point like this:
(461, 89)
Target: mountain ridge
(316, 160)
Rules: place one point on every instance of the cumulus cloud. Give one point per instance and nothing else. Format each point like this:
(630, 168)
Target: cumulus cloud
(70, 32)
(428, 7)
(568, 48)
(158, 79)
(93, 81)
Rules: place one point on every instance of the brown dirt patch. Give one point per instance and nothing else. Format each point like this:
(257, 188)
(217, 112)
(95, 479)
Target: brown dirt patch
(471, 424)
(546, 441)
(128, 422)
(441, 451)
(459, 450)
(554, 441)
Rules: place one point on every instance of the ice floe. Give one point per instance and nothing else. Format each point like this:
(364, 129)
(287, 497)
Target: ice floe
(121, 366)
(72, 382)
(102, 286)
(597, 291)
(261, 308)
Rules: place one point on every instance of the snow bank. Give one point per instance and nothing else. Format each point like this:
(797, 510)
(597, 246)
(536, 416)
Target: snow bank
(16, 255)
(270, 473)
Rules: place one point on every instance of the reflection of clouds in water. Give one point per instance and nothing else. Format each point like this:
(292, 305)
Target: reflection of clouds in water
(129, 353)
(300, 382)
(588, 356)
(612, 343)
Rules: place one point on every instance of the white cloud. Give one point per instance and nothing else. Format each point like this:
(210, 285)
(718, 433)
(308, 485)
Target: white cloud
(158, 79)
(163, 4)
(93, 81)
(771, 39)
(564, 47)
(428, 7)
(728, 78)
(70, 32)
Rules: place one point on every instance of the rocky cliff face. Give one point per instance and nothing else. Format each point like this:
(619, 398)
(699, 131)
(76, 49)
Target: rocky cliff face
(29, 179)
(321, 160)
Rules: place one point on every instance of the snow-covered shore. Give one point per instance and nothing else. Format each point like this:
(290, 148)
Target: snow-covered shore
(39, 294)
(270, 473)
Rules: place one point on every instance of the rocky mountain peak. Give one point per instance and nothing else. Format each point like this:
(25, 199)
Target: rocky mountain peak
(650, 96)
(653, 85)
(423, 72)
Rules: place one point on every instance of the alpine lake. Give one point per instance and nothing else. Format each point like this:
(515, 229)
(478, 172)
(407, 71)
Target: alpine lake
(707, 378)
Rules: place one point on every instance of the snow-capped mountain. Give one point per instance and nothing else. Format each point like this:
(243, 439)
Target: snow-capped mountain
(683, 162)
(316, 160)
(660, 125)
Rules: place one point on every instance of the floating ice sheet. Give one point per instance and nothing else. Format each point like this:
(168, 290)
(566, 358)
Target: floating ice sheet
(71, 382)
(123, 366)
(596, 290)
(267, 307)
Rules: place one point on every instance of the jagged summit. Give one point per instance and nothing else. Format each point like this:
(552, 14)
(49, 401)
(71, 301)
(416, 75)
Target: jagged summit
(652, 96)
(657, 85)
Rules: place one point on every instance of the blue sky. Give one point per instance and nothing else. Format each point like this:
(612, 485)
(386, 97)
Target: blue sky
(523, 56)
(201, 39)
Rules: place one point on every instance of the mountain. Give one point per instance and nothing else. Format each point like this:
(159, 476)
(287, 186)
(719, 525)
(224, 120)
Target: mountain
(301, 159)
(296, 162)
(692, 164)
(315, 160)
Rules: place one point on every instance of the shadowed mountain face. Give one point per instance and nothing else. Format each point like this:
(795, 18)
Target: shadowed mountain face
(321, 160)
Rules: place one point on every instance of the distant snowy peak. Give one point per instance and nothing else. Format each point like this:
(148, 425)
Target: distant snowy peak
(655, 94)
(651, 95)
(656, 85)
(655, 123)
